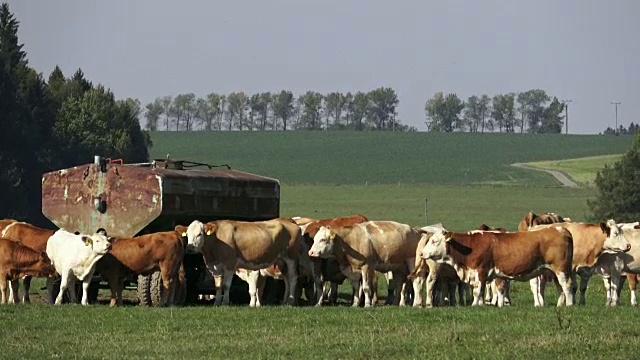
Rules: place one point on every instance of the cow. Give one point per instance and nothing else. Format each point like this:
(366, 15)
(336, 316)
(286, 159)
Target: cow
(533, 219)
(518, 256)
(143, 255)
(363, 248)
(538, 283)
(29, 235)
(16, 261)
(326, 269)
(74, 256)
(611, 265)
(227, 245)
(590, 241)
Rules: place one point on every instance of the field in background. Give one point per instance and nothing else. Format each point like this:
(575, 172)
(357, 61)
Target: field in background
(301, 157)
(581, 170)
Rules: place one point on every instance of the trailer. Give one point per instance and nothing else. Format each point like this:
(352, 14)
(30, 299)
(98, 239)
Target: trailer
(134, 199)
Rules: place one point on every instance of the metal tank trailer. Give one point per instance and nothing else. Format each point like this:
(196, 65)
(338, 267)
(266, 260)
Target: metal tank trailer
(134, 199)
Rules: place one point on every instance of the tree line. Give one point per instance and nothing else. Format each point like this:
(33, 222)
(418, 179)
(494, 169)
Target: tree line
(373, 110)
(54, 123)
(533, 111)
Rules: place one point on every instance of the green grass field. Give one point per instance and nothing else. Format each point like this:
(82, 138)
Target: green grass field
(467, 180)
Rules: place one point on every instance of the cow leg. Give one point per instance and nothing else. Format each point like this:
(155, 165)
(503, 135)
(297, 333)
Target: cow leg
(27, 285)
(478, 295)
(227, 279)
(418, 283)
(507, 292)
(14, 285)
(292, 276)
(584, 281)
(114, 283)
(633, 282)
(169, 284)
(85, 290)
(3, 290)
(565, 282)
(615, 284)
(355, 284)
(333, 293)
(367, 280)
(499, 291)
(252, 280)
(606, 280)
(319, 286)
(431, 283)
(64, 283)
(538, 299)
(218, 283)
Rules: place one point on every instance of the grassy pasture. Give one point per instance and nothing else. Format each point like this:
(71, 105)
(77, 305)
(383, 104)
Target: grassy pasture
(581, 170)
(467, 180)
(301, 157)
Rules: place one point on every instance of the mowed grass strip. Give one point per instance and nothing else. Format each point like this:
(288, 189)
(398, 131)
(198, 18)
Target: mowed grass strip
(581, 170)
(328, 157)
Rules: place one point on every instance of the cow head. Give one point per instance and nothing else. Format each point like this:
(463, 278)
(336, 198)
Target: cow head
(47, 269)
(323, 243)
(98, 243)
(436, 247)
(615, 241)
(195, 233)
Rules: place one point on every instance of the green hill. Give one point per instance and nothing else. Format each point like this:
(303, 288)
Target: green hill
(320, 157)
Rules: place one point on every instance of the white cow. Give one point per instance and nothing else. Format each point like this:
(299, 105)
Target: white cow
(75, 257)
(611, 264)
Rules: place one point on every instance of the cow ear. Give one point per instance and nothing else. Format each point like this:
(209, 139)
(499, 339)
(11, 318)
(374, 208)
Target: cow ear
(332, 235)
(605, 228)
(209, 228)
(447, 236)
(182, 230)
(111, 239)
(87, 240)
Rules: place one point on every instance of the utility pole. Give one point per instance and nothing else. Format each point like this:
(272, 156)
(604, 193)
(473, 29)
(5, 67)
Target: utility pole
(616, 103)
(566, 115)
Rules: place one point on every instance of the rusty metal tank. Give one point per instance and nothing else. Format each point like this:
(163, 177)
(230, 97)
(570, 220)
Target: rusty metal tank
(130, 199)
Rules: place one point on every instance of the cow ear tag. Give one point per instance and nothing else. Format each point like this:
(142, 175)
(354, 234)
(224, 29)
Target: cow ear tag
(208, 232)
(184, 233)
(332, 235)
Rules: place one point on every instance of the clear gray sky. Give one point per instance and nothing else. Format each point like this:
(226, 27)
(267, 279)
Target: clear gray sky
(584, 50)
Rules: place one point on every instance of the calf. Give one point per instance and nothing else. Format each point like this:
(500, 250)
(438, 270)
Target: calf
(519, 256)
(227, 245)
(326, 269)
(143, 255)
(16, 261)
(75, 257)
(30, 236)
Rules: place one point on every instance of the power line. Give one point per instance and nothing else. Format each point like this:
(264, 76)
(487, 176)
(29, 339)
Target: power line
(616, 103)
(566, 115)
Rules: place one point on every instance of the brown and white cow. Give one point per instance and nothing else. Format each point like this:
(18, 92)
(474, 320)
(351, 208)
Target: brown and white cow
(539, 283)
(590, 241)
(518, 256)
(227, 245)
(326, 269)
(16, 261)
(30, 236)
(364, 248)
(142, 255)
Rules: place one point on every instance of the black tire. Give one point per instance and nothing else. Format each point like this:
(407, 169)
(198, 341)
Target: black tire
(156, 288)
(144, 290)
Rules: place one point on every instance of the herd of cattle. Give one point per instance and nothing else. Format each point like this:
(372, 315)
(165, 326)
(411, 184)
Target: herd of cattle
(309, 254)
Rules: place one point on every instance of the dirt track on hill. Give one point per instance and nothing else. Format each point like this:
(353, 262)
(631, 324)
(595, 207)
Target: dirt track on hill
(556, 174)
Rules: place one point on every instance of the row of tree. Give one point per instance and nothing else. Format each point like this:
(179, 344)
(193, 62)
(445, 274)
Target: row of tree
(54, 124)
(533, 111)
(375, 109)
(621, 130)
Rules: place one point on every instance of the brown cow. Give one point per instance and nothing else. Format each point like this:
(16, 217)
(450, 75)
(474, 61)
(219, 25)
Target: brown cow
(16, 261)
(326, 269)
(533, 219)
(589, 242)
(364, 248)
(519, 256)
(143, 255)
(227, 245)
(30, 236)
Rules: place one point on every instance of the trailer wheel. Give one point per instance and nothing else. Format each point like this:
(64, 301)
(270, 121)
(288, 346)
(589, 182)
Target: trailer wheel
(144, 290)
